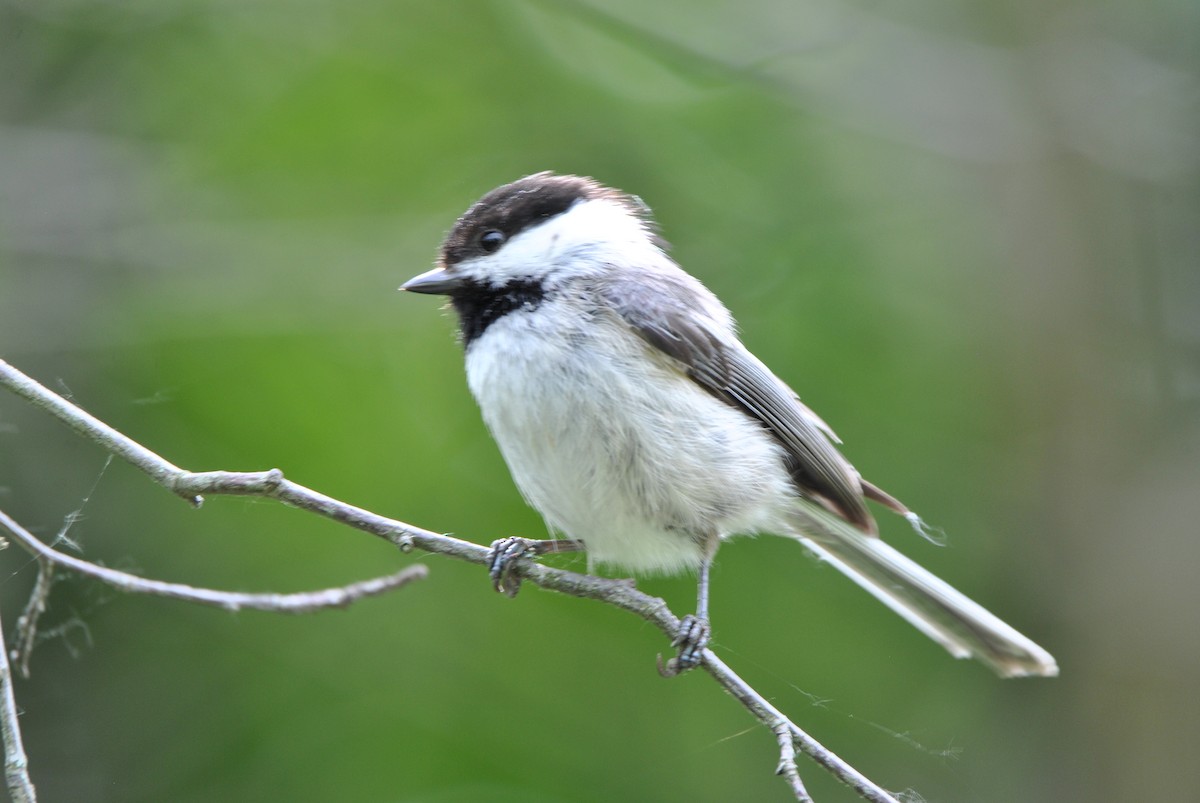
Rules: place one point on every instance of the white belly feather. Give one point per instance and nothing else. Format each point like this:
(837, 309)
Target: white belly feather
(639, 490)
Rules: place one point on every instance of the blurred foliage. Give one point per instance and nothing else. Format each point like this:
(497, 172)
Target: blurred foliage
(966, 233)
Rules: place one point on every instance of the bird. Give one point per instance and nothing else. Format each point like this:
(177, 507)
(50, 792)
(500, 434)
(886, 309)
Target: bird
(633, 418)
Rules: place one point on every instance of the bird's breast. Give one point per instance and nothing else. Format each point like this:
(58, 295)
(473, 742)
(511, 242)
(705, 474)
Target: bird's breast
(616, 446)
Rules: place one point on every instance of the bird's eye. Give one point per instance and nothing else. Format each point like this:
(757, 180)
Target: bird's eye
(491, 240)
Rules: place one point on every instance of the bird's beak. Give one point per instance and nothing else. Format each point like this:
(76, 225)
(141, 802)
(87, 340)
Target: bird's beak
(438, 282)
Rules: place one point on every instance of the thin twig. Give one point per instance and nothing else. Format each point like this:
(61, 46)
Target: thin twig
(273, 485)
(774, 719)
(16, 765)
(787, 762)
(300, 602)
(27, 622)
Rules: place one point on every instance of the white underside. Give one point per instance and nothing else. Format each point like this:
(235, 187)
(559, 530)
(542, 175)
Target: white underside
(630, 456)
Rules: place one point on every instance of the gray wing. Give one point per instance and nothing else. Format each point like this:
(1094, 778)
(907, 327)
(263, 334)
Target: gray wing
(668, 313)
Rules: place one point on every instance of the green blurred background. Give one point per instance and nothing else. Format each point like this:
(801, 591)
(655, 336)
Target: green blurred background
(966, 233)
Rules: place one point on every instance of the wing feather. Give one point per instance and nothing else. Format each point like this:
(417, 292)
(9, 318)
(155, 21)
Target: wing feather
(672, 315)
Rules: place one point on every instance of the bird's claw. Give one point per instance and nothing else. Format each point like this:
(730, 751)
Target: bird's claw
(502, 560)
(691, 640)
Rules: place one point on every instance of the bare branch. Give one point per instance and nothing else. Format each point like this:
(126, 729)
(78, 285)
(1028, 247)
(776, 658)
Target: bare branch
(273, 485)
(269, 484)
(27, 622)
(16, 765)
(787, 762)
(778, 724)
(301, 602)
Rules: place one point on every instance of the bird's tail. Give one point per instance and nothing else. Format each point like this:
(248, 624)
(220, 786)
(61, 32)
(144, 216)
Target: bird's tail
(947, 616)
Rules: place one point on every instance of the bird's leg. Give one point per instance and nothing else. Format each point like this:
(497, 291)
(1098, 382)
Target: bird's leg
(694, 631)
(504, 554)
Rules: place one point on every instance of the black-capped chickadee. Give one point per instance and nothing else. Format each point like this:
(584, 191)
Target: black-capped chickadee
(636, 422)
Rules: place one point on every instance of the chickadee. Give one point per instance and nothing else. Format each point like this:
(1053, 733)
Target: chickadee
(632, 417)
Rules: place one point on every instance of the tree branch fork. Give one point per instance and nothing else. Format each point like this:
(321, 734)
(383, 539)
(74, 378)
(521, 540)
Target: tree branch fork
(272, 484)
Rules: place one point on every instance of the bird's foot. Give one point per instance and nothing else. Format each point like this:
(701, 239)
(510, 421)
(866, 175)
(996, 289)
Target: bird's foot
(502, 561)
(691, 640)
